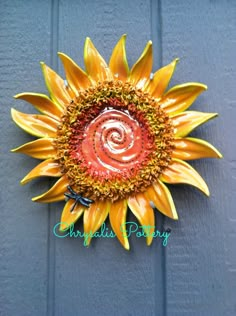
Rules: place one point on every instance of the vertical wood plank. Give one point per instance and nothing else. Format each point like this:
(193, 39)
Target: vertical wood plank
(54, 22)
(201, 258)
(104, 278)
(24, 41)
(43, 275)
(160, 256)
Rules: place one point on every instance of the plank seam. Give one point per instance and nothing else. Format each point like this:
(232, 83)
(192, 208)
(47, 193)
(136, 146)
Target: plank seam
(156, 33)
(156, 30)
(51, 214)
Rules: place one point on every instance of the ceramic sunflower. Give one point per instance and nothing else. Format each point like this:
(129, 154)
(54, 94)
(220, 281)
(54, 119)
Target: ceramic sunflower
(114, 137)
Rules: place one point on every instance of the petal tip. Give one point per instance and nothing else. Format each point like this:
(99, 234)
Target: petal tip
(205, 190)
(23, 181)
(62, 55)
(212, 116)
(38, 198)
(87, 242)
(127, 247)
(218, 153)
(87, 41)
(200, 85)
(43, 66)
(204, 86)
(15, 150)
(175, 216)
(13, 114)
(148, 46)
(149, 241)
(63, 227)
(23, 94)
(125, 244)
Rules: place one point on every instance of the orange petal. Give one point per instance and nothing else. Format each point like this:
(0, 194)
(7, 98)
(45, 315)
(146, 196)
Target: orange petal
(75, 76)
(140, 207)
(160, 195)
(161, 79)
(42, 103)
(37, 125)
(67, 217)
(40, 149)
(140, 72)
(193, 148)
(180, 97)
(55, 194)
(95, 65)
(48, 168)
(94, 217)
(118, 61)
(117, 217)
(59, 92)
(181, 172)
(185, 122)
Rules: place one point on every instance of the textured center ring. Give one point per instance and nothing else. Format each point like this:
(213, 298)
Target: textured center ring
(114, 141)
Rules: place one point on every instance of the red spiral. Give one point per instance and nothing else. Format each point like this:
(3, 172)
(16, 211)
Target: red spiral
(114, 142)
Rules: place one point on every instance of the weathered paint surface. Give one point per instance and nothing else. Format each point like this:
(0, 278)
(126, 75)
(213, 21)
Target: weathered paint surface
(196, 273)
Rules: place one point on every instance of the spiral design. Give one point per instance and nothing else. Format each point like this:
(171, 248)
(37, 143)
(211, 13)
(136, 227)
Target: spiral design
(114, 142)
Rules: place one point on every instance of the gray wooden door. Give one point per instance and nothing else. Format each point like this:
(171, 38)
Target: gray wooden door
(195, 274)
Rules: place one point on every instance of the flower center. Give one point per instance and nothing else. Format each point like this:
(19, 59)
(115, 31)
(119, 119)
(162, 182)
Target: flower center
(114, 141)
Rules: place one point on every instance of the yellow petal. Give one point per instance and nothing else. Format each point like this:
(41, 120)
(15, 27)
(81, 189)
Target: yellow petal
(193, 148)
(48, 168)
(34, 124)
(75, 76)
(185, 122)
(118, 61)
(94, 217)
(117, 217)
(67, 217)
(42, 103)
(59, 92)
(140, 72)
(161, 79)
(40, 149)
(180, 97)
(160, 195)
(55, 194)
(140, 207)
(95, 65)
(181, 172)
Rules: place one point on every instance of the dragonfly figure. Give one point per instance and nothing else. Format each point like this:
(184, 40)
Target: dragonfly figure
(78, 198)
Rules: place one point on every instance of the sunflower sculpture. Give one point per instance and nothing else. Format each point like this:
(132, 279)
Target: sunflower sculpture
(113, 136)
